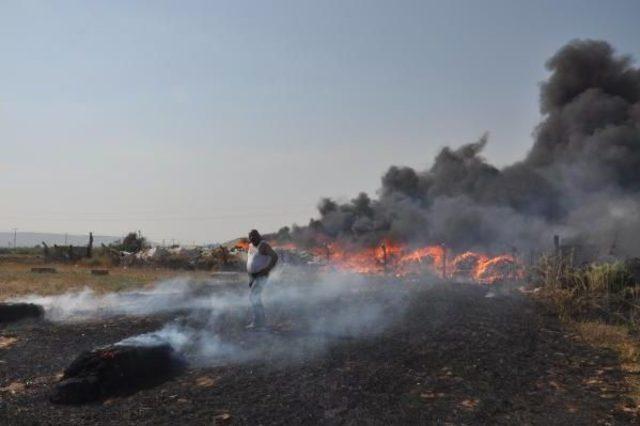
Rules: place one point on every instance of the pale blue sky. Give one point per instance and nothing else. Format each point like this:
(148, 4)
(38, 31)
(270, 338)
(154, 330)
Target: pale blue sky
(198, 120)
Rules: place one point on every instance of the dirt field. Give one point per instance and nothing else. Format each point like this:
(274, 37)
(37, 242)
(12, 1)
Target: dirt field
(449, 355)
(16, 278)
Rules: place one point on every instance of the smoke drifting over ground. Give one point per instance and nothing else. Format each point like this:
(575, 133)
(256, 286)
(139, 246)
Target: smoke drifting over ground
(581, 178)
(166, 297)
(308, 310)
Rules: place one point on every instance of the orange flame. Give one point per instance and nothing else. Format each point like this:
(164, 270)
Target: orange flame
(498, 268)
(401, 260)
(242, 245)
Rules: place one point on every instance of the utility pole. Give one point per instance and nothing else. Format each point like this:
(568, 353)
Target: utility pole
(15, 234)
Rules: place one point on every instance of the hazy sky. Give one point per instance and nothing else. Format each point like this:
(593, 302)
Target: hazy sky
(198, 120)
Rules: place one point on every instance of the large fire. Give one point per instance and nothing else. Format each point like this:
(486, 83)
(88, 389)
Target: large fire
(403, 260)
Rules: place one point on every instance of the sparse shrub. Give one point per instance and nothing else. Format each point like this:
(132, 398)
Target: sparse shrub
(96, 261)
(177, 261)
(133, 242)
(25, 251)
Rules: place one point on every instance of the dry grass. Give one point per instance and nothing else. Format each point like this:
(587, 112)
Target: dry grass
(17, 279)
(614, 337)
(601, 303)
(598, 290)
(618, 339)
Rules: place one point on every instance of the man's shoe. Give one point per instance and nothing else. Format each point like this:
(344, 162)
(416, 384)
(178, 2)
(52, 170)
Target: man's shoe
(257, 327)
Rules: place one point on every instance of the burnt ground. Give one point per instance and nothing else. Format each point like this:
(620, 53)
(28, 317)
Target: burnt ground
(451, 356)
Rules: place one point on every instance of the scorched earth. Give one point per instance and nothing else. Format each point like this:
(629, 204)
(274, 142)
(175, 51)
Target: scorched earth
(342, 349)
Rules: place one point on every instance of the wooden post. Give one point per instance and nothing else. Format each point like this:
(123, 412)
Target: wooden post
(444, 262)
(384, 257)
(90, 246)
(556, 244)
(224, 255)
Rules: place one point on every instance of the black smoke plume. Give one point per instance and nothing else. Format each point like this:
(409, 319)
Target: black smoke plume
(581, 178)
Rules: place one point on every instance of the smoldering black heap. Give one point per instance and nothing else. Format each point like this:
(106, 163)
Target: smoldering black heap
(10, 312)
(581, 178)
(115, 370)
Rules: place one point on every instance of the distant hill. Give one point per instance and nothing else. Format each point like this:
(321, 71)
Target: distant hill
(30, 239)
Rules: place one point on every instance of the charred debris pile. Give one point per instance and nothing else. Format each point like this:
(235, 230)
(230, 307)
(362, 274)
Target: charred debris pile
(11, 312)
(115, 370)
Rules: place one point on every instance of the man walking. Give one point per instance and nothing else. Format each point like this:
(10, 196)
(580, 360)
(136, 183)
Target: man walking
(261, 259)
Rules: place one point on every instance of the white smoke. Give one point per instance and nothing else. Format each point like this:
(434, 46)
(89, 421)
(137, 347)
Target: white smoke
(200, 345)
(165, 297)
(308, 312)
